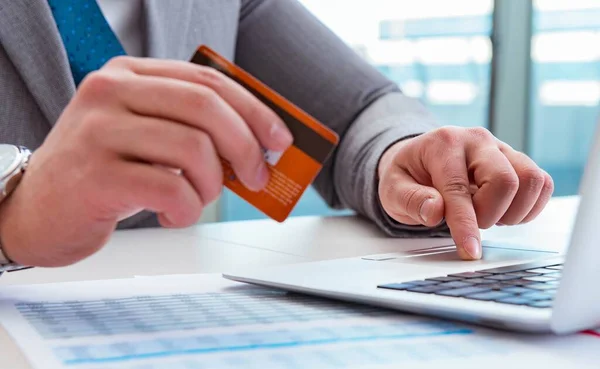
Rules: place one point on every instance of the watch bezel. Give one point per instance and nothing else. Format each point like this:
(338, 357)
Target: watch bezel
(4, 174)
(13, 174)
(9, 181)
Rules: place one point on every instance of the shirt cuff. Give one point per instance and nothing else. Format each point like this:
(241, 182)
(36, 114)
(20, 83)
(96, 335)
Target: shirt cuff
(390, 119)
(375, 210)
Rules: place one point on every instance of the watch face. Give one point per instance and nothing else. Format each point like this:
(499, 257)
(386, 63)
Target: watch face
(9, 156)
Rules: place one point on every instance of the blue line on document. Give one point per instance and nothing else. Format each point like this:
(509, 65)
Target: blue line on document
(171, 353)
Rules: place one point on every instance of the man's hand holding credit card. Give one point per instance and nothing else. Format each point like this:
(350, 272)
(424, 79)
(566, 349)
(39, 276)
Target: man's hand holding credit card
(133, 120)
(291, 171)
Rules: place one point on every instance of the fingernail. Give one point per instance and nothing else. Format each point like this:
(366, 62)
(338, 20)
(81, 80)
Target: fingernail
(262, 177)
(427, 209)
(473, 248)
(281, 135)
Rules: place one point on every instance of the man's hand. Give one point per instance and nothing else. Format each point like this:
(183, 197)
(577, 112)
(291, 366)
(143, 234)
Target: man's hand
(466, 176)
(140, 134)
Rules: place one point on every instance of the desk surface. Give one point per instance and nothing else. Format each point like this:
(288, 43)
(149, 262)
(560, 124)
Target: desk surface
(217, 247)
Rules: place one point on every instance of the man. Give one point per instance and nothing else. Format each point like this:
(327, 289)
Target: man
(104, 128)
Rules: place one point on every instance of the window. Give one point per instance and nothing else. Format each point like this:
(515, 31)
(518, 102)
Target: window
(441, 52)
(437, 51)
(565, 87)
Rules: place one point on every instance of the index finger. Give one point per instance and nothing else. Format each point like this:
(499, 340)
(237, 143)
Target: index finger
(450, 177)
(269, 129)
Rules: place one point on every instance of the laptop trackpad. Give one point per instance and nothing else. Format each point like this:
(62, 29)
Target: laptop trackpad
(447, 256)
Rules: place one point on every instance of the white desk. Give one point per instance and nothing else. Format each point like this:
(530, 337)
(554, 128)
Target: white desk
(327, 238)
(217, 247)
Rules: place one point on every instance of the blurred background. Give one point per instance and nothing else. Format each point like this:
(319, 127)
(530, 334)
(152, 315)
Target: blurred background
(527, 70)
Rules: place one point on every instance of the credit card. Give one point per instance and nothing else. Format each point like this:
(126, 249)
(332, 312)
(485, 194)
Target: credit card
(293, 170)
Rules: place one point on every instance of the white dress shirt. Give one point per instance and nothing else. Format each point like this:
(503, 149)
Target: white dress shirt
(125, 19)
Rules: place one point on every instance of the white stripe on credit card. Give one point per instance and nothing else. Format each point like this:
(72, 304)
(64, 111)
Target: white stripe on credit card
(272, 157)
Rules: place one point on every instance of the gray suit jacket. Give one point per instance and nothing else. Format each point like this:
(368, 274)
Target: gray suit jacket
(277, 41)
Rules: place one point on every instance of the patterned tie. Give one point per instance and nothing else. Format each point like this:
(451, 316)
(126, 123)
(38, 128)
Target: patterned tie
(87, 36)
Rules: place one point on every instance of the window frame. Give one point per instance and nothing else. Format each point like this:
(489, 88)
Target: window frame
(511, 72)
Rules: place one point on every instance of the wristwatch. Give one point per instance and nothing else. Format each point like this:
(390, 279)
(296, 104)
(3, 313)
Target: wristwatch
(13, 163)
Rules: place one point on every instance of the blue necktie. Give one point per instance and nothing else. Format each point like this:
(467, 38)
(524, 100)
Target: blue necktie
(87, 36)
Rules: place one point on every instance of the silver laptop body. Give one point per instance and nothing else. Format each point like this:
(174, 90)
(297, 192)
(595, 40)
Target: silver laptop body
(508, 289)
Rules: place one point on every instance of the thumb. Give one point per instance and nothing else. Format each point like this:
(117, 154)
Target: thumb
(409, 202)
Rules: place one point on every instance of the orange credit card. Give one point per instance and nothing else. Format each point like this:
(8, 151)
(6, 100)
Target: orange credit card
(291, 171)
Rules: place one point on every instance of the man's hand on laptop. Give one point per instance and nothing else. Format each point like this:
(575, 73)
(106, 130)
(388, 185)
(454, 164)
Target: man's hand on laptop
(465, 176)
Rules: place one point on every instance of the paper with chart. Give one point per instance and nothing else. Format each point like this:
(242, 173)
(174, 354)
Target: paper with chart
(207, 322)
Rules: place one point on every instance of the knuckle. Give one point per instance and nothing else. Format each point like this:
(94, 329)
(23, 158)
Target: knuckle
(98, 84)
(213, 180)
(533, 179)
(199, 146)
(210, 77)
(481, 133)
(465, 223)
(203, 97)
(508, 181)
(121, 61)
(411, 199)
(548, 184)
(195, 143)
(457, 186)
(407, 198)
(448, 136)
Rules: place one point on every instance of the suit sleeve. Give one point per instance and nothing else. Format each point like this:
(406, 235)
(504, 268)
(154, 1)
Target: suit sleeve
(285, 46)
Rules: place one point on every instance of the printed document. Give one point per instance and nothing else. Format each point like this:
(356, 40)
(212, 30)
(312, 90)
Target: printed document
(189, 322)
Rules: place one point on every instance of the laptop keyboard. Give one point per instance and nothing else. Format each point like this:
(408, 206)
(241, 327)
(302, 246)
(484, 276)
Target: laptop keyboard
(532, 284)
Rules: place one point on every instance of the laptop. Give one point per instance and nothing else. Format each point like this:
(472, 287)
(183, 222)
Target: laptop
(509, 289)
